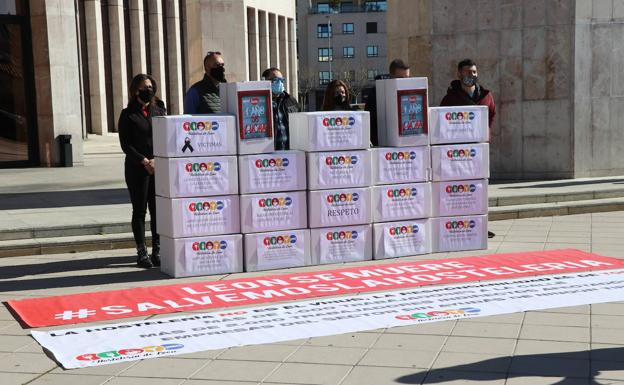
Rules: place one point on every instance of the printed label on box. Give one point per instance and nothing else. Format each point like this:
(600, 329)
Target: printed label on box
(342, 245)
(279, 251)
(401, 240)
(197, 137)
(464, 124)
(400, 166)
(412, 105)
(209, 256)
(339, 130)
(272, 172)
(255, 114)
(205, 215)
(403, 202)
(457, 198)
(274, 211)
(343, 207)
(341, 170)
(462, 163)
(461, 233)
(195, 178)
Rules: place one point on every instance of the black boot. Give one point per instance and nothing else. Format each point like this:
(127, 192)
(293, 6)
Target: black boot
(155, 257)
(143, 260)
(491, 234)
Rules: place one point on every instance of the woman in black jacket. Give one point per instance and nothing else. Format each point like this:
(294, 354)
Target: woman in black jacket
(135, 136)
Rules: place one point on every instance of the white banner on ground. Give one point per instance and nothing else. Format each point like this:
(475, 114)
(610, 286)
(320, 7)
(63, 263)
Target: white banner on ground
(106, 344)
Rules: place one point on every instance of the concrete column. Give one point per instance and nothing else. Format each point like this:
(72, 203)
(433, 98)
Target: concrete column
(263, 40)
(283, 46)
(137, 33)
(253, 45)
(119, 77)
(273, 41)
(293, 79)
(174, 56)
(157, 46)
(95, 54)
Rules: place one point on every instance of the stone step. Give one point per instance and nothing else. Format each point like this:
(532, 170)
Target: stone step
(583, 195)
(66, 231)
(556, 208)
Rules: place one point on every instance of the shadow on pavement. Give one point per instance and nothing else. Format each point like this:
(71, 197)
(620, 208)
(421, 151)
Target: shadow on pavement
(8, 272)
(565, 184)
(531, 365)
(49, 199)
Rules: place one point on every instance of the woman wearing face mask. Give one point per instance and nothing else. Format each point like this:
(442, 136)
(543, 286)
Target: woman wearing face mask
(135, 136)
(336, 97)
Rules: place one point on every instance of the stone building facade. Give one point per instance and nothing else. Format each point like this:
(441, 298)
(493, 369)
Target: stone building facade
(555, 68)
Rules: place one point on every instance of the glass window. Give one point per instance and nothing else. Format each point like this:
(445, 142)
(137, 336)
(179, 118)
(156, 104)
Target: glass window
(324, 77)
(371, 27)
(322, 7)
(376, 6)
(323, 31)
(372, 51)
(346, 6)
(371, 74)
(347, 28)
(348, 52)
(325, 54)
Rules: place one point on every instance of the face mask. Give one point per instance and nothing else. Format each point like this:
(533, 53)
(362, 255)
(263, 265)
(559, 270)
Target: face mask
(277, 87)
(218, 73)
(339, 99)
(470, 80)
(146, 95)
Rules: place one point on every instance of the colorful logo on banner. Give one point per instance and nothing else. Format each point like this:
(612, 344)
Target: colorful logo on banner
(200, 127)
(339, 122)
(459, 116)
(202, 167)
(400, 155)
(255, 114)
(399, 231)
(341, 235)
(275, 202)
(460, 225)
(206, 206)
(462, 153)
(209, 245)
(438, 313)
(342, 198)
(340, 160)
(401, 192)
(460, 188)
(412, 105)
(280, 240)
(272, 162)
(128, 352)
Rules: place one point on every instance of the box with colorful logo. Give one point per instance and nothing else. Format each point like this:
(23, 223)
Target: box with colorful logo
(465, 232)
(193, 135)
(402, 112)
(337, 169)
(277, 250)
(191, 177)
(467, 197)
(401, 201)
(330, 130)
(250, 102)
(215, 254)
(463, 124)
(190, 217)
(340, 207)
(460, 161)
(401, 239)
(400, 165)
(276, 171)
(342, 244)
(273, 211)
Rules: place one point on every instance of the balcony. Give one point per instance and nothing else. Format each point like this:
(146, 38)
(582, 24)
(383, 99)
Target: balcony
(373, 6)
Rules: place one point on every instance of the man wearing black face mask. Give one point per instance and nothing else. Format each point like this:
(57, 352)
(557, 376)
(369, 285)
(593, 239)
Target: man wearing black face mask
(203, 96)
(466, 91)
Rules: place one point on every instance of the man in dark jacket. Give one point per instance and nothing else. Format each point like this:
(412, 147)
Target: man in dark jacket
(466, 91)
(203, 96)
(283, 104)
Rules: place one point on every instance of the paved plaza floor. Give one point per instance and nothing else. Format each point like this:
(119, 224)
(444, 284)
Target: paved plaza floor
(566, 346)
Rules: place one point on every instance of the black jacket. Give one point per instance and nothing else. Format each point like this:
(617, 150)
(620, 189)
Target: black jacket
(135, 131)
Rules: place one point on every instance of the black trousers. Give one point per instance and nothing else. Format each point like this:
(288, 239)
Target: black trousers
(142, 195)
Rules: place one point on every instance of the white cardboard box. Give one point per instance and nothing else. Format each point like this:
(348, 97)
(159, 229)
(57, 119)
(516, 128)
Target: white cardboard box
(460, 161)
(402, 112)
(277, 171)
(330, 130)
(277, 250)
(342, 244)
(189, 177)
(461, 124)
(402, 239)
(457, 233)
(193, 135)
(466, 197)
(273, 211)
(192, 217)
(217, 254)
(400, 165)
(338, 169)
(340, 207)
(401, 202)
(251, 103)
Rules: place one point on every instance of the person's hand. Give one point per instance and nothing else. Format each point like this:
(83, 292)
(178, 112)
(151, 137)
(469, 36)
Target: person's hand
(148, 164)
